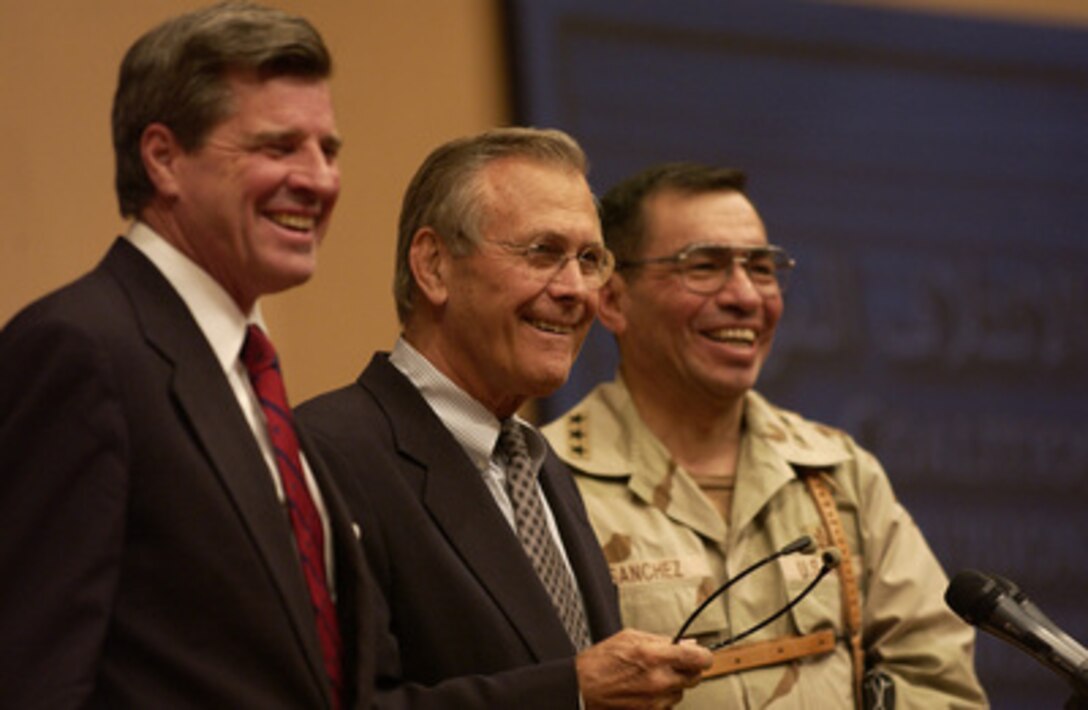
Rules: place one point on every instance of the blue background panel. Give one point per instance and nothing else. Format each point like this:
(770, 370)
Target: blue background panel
(929, 175)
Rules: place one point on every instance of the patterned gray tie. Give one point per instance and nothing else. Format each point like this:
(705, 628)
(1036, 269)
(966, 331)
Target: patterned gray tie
(532, 528)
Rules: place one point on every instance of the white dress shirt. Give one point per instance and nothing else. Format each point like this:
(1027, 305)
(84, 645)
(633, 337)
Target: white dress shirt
(224, 326)
(476, 429)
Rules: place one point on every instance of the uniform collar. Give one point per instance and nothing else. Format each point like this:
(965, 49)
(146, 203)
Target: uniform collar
(774, 443)
(606, 438)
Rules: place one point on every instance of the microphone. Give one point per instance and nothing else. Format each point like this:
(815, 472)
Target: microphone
(801, 544)
(1028, 606)
(998, 607)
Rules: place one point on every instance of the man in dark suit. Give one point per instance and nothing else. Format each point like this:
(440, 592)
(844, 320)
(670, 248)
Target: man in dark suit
(164, 543)
(493, 591)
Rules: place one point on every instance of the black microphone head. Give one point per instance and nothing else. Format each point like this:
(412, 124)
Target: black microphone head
(831, 557)
(973, 595)
(803, 544)
(986, 602)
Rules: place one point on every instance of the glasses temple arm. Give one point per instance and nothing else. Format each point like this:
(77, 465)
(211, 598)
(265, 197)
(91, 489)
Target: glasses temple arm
(831, 561)
(800, 544)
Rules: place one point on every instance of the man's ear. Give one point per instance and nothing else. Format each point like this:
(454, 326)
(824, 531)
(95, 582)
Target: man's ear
(428, 259)
(610, 309)
(160, 149)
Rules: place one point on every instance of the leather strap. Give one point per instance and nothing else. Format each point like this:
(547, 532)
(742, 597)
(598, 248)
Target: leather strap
(766, 653)
(825, 503)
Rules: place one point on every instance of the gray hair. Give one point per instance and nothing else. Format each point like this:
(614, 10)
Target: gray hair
(446, 193)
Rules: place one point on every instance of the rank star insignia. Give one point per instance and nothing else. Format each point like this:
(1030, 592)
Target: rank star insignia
(577, 439)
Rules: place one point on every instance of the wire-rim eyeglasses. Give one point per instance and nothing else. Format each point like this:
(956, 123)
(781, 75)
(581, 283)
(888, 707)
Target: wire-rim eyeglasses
(804, 544)
(706, 268)
(545, 258)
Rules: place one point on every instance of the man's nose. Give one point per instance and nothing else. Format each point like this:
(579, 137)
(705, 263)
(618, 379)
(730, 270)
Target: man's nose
(315, 170)
(738, 284)
(569, 277)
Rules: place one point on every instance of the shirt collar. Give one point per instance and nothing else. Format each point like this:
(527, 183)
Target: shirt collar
(472, 424)
(215, 312)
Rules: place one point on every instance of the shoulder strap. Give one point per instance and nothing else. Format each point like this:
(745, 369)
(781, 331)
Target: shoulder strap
(825, 503)
(768, 653)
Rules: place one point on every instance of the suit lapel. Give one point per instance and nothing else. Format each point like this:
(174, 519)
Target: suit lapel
(207, 403)
(454, 494)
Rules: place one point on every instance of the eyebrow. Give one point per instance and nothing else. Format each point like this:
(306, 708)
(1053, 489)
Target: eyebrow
(544, 235)
(331, 142)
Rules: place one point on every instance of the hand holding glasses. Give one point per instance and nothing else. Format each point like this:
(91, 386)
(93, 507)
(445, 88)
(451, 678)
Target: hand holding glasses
(706, 268)
(830, 558)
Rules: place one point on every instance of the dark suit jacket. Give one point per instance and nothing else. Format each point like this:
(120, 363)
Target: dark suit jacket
(469, 623)
(146, 561)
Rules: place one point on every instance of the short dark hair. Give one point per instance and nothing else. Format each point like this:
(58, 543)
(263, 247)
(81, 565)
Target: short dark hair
(177, 74)
(445, 193)
(622, 222)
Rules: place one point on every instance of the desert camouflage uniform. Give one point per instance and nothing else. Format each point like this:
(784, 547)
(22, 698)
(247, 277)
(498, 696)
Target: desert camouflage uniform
(668, 548)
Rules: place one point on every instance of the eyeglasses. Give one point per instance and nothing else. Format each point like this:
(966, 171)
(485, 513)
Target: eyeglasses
(830, 559)
(706, 268)
(546, 258)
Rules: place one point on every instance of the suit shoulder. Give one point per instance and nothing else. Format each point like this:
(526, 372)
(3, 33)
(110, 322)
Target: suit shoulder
(346, 418)
(334, 404)
(85, 320)
(78, 304)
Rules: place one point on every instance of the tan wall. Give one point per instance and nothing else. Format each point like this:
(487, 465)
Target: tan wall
(410, 74)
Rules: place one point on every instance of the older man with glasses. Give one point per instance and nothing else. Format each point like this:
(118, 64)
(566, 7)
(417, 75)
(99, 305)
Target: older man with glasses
(691, 478)
(495, 593)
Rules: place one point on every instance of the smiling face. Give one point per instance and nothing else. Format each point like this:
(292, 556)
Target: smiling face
(685, 347)
(253, 202)
(507, 332)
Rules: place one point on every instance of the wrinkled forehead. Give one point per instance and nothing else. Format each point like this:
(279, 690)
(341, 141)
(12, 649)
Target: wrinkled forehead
(536, 198)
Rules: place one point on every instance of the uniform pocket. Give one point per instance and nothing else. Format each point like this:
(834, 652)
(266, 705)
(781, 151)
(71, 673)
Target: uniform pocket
(822, 608)
(658, 595)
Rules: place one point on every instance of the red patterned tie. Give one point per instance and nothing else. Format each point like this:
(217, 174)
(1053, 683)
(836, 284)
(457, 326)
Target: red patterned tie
(264, 372)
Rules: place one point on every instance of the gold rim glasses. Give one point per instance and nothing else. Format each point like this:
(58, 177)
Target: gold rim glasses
(705, 269)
